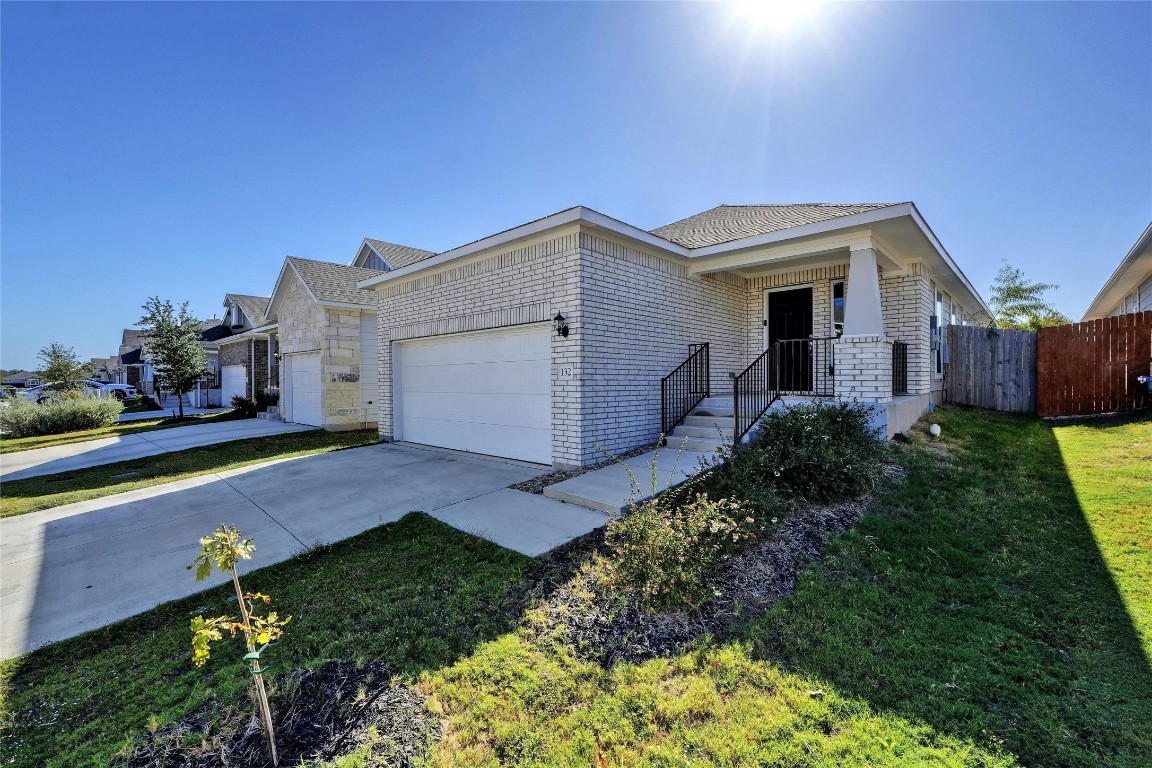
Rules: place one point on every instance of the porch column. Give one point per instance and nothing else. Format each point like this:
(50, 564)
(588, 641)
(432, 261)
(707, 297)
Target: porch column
(862, 315)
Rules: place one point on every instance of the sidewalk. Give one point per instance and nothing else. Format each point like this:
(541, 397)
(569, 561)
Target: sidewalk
(91, 453)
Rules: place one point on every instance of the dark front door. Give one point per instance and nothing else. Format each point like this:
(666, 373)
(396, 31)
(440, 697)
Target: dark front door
(789, 317)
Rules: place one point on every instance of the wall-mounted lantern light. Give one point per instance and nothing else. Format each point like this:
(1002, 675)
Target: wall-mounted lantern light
(276, 355)
(560, 326)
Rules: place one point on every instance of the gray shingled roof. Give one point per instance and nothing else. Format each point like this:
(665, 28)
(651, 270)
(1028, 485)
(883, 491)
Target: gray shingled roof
(335, 282)
(255, 308)
(398, 255)
(726, 223)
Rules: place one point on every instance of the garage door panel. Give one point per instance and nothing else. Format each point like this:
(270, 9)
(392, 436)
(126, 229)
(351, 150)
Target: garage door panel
(519, 410)
(306, 390)
(484, 392)
(531, 442)
(493, 377)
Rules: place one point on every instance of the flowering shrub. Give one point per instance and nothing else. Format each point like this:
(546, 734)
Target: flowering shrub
(71, 412)
(816, 451)
(662, 554)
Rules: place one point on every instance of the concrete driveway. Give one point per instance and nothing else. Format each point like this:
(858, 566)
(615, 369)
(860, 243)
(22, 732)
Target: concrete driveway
(66, 458)
(71, 569)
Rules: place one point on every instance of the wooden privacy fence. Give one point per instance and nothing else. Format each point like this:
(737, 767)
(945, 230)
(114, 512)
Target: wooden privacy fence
(991, 368)
(1092, 367)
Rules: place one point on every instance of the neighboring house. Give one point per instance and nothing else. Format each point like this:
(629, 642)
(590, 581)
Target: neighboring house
(23, 379)
(1129, 289)
(247, 364)
(472, 354)
(324, 330)
(136, 364)
(105, 369)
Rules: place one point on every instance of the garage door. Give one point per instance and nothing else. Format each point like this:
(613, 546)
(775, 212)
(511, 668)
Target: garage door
(482, 392)
(304, 389)
(233, 383)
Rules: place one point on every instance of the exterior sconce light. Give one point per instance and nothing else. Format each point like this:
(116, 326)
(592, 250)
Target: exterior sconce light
(276, 355)
(560, 326)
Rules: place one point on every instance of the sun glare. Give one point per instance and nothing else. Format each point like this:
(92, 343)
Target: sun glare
(775, 14)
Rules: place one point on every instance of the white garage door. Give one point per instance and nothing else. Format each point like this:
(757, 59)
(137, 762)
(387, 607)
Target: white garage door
(233, 383)
(369, 384)
(304, 389)
(484, 392)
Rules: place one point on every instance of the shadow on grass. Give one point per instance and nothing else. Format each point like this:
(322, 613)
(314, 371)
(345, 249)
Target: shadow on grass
(413, 595)
(974, 599)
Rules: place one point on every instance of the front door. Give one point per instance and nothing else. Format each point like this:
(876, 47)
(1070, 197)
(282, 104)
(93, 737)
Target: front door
(789, 321)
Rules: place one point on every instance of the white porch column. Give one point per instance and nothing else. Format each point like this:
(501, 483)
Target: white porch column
(862, 315)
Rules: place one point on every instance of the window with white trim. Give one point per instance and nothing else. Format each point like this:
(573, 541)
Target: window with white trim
(839, 292)
(937, 336)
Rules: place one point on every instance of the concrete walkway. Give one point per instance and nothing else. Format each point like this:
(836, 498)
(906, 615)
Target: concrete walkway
(166, 413)
(91, 453)
(612, 488)
(71, 569)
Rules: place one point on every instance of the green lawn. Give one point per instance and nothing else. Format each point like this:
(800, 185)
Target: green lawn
(45, 491)
(985, 612)
(13, 444)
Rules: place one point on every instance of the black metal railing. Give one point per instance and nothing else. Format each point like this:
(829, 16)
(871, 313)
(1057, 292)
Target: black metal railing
(805, 367)
(684, 388)
(899, 368)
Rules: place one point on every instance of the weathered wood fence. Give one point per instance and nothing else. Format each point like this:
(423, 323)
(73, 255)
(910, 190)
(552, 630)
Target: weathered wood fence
(1091, 367)
(991, 368)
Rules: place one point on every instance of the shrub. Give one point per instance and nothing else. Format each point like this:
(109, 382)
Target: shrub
(662, 554)
(245, 405)
(265, 400)
(69, 413)
(816, 451)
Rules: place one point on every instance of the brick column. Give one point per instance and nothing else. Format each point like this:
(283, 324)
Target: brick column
(864, 368)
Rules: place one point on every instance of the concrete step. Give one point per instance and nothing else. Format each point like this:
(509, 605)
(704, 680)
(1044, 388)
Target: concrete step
(723, 422)
(710, 431)
(716, 412)
(269, 415)
(716, 402)
(694, 444)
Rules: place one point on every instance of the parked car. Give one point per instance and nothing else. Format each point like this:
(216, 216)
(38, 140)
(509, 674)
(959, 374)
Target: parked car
(118, 391)
(48, 391)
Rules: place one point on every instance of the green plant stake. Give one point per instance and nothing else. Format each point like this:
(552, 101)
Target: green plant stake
(223, 549)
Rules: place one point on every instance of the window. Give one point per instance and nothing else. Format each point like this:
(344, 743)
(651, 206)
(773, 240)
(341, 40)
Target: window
(838, 309)
(937, 336)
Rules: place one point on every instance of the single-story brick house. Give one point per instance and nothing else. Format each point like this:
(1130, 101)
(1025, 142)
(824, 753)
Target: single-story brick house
(322, 331)
(548, 342)
(246, 358)
(1129, 289)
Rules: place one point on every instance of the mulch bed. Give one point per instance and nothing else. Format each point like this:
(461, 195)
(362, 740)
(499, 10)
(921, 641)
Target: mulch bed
(605, 628)
(322, 713)
(540, 482)
(327, 711)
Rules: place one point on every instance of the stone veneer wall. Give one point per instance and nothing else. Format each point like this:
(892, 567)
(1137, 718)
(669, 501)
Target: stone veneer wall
(305, 326)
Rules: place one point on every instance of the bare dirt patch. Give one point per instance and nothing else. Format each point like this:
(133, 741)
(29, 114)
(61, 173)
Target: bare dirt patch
(540, 482)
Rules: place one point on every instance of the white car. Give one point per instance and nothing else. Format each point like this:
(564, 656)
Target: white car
(118, 391)
(46, 392)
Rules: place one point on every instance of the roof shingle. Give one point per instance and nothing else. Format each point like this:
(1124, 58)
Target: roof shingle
(398, 255)
(335, 282)
(726, 223)
(255, 308)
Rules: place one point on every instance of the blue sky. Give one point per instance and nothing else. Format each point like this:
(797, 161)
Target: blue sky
(182, 150)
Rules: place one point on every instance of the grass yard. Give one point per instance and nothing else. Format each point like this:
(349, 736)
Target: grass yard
(45, 491)
(986, 612)
(14, 444)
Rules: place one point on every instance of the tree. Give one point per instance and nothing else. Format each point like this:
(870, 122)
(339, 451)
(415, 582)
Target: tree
(172, 338)
(1017, 303)
(223, 548)
(62, 365)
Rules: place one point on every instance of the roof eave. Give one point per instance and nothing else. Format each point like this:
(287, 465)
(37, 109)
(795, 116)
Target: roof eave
(576, 215)
(1109, 295)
